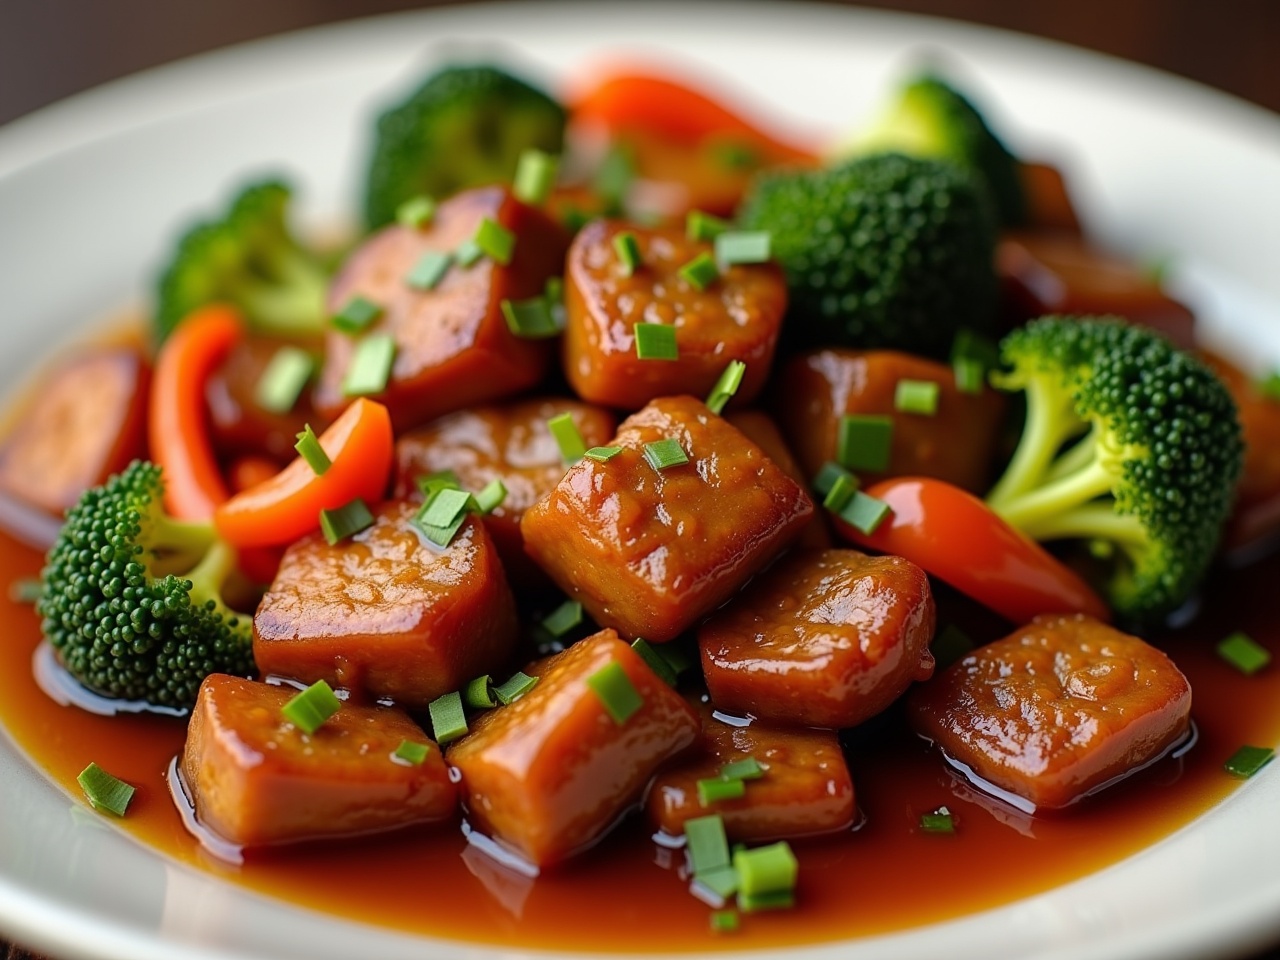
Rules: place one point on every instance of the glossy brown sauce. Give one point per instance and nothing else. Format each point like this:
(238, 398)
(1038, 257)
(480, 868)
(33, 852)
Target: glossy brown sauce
(629, 894)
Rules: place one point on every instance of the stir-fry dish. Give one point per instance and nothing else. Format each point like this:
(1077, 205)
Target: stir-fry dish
(628, 467)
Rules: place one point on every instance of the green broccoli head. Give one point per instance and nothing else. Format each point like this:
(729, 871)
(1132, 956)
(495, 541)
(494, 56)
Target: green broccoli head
(464, 127)
(249, 258)
(1131, 445)
(880, 251)
(930, 118)
(131, 599)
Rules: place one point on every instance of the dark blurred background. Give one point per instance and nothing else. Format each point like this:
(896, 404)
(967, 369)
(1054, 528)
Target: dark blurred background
(52, 48)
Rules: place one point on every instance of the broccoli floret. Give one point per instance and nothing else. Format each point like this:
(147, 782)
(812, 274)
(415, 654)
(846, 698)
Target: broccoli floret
(930, 118)
(131, 600)
(881, 251)
(464, 127)
(1130, 445)
(247, 257)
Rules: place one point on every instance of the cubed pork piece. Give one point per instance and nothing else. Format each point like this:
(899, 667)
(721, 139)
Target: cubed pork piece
(1056, 709)
(255, 779)
(386, 613)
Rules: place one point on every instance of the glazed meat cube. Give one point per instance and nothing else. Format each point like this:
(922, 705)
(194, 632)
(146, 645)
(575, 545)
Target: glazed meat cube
(760, 429)
(1056, 709)
(237, 424)
(1057, 272)
(453, 345)
(956, 443)
(254, 778)
(387, 613)
(549, 774)
(651, 551)
(823, 639)
(805, 789)
(85, 421)
(737, 317)
(511, 443)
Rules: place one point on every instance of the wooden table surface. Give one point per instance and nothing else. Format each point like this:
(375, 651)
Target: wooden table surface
(52, 48)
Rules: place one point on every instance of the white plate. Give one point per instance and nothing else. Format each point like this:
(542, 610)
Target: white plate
(91, 189)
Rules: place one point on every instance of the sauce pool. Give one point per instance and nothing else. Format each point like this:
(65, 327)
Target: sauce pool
(631, 894)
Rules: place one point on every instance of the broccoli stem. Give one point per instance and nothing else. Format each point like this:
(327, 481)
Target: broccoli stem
(209, 575)
(290, 300)
(1076, 457)
(1047, 504)
(1050, 423)
(175, 546)
(1094, 521)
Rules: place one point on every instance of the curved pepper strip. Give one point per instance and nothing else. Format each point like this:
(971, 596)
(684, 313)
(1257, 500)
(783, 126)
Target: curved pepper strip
(954, 536)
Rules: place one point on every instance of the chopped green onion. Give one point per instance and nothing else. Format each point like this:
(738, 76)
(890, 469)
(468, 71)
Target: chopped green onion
(970, 374)
(728, 384)
(841, 492)
(448, 720)
(655, 341)
(345, 521)
(25, 590)
(677, 656)
(309, 449)
(1244, 653)
(573, 218)
(770, 869)
(603, 454)
(916, 396)
(656, 661)
(940, 821)
(442, 534)
(479, 693)
(707, 843)
(495, 240)
(565, 431)
(467, 253)
(429, 270)
(370, 366)
(724, 921)
(312, 707)
(492, 496)
(564, 618)
(515, 688)
(700, 272)
(412, 753)
(535, 176)
(778, 900)
(865, 441)
(865, 513)
(722, 881)
(1247, 761)
(828, 476)
(1269, 386)
(616, 691)
(445, 507)
(950, 645)
(532, 319)
(743, 247)
(417, 212)
(665, 453)
(748, 768)
(703, 227)
(282, 381)
(440, 480)
(613, 178)
(358, 313)
(103, 791)
(975, 346)
(714, 789)
(627, 248)
(554, 290)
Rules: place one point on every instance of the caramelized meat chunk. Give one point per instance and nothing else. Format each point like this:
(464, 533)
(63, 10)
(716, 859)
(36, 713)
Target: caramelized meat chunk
(511, 443)
(650, 551)
(85, 421)
(1058, 272)
(736, 317)
(549, 774)
(956, 443)
(254, 778)
(823, 639)
(1056, 709)
(760, 429)
(387, 613)
(805, 787)
(453, 345)
(237, 423)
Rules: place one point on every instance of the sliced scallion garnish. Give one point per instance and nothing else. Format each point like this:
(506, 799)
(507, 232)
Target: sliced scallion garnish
(602, 454)
(370, 368)
(448, 719)
(105, 792)
(563, 619)
(356, 314)
(939, 821)
(700, 272)
(748, 768)
(532, 319)
(478, 694)
(514, 688)
(567, 437)
(310, 708)
(429, 270)
(627, 247)
(345, 521)
(1247, 761)
(743, 247)
(714, 789)
(309, 449)
(655, 341)
(412, 752)
(616, 692)
(725, 388)
(665, 453)
(1244, 653)
(864, 442)
(765, 870)
(707, 843)
(491, 497)
(417, 212)
(283, 380)
(656, 661)
(495, 241)
(865, 513)
(535, 176)
(702, 227)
